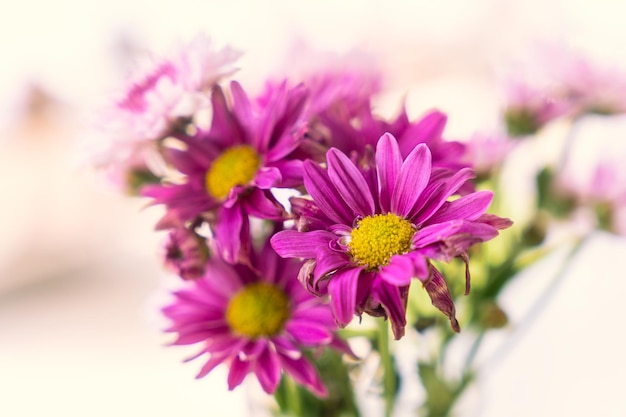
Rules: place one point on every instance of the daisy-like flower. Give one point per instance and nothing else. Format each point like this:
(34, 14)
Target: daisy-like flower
(161, 97)
(357, 136)
(228, 171)
(363, 239)
(254, 320)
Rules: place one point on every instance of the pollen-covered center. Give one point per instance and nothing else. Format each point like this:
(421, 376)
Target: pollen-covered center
(259, 309)
(377, 238)
(235, 166)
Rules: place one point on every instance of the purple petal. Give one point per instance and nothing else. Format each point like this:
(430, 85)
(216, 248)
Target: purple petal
(228, 232)
(427, 130)
(350, 183)
(294, 244)
(391, 300)
(412, 180)
(440, 296)
(209, 366)
(262, 204)
(468, 207)
(267, 177)
(342, 289)
(286, 347)
(325, 195)
(329, 260)
(437, 196)
(290, 171)
(303, 373)
(238, 371)
(388, 162)
(399, 271)
(309, 333)
(267, 370)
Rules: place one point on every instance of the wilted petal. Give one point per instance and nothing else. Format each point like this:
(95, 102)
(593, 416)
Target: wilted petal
(440, 296)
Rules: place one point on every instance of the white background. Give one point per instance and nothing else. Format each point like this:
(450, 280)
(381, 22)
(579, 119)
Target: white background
(80, 281)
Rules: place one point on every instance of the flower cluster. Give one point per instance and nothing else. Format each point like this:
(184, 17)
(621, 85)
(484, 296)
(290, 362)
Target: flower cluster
(379, 202)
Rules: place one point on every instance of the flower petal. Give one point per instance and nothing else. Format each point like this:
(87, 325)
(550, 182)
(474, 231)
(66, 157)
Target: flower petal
(325, 195)
(238, 371)
(391, 300)
(303, 373)
(228, 232)
(350, 183)
(468, 207)
(267, 370)
(294, 244)
(388, 163)
(399, 271)
(412, 180)
(309, 333)
(342, 288)
(440, 296)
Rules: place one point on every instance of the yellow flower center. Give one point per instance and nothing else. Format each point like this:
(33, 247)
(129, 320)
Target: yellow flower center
(259, 309)
(377, 238)
(235, 166)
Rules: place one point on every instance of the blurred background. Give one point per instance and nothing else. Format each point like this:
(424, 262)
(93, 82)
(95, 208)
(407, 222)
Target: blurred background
(80, 278)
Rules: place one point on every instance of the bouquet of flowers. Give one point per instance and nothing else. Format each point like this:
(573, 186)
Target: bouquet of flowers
(312, 237)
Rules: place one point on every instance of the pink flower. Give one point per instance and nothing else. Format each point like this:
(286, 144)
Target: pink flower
(228, 171)
(364, 237)
(160, 98)
(254, 319)
(529, 108)
(485, 153)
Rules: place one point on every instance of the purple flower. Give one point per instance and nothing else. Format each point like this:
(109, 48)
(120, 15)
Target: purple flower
(229, 170)
(256, 319)
(364, 237)
(166, 92)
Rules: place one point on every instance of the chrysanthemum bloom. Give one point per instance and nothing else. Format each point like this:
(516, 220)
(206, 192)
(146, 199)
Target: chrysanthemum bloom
(254, 321)
(228, 171)
(364, 239)
(357, 136)
(161, 97)
(186, 253)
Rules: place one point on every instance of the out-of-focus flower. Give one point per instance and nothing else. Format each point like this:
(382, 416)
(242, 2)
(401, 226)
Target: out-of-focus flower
(255, 319)
(485, 153)
(588, 85)
(161, 98)
(186, 253)
(604, 191)
(364, 237)
(228, 171)
(528, 109)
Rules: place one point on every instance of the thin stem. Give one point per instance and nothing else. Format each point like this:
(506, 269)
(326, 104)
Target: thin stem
(389, 373)
(294, 401)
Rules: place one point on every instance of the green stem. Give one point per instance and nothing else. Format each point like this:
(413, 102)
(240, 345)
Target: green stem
(389, 373)
(294, 402)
